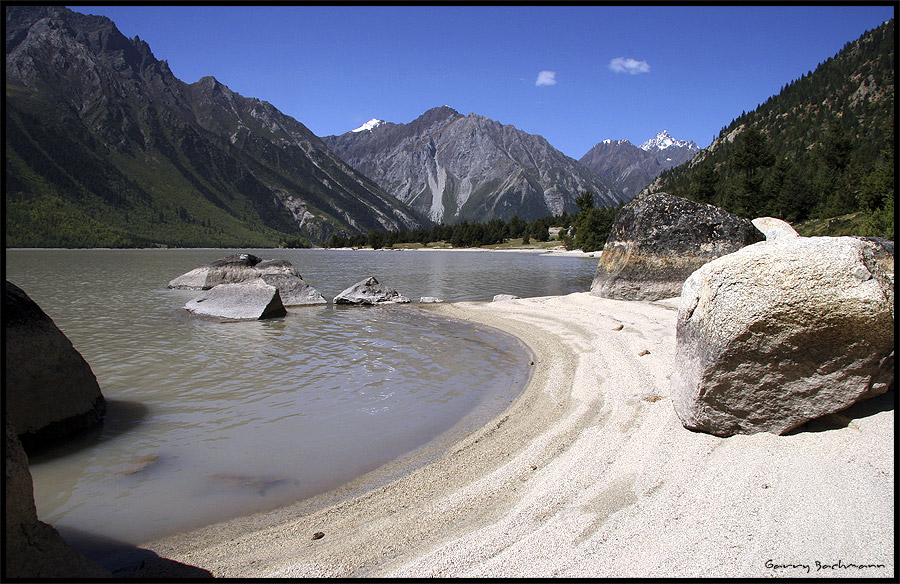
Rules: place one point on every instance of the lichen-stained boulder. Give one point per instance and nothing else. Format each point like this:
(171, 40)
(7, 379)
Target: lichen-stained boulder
(34, 549)
(780, 333)
(658, 239)
(369, 292)
(293, 290)
(251, 300)
(230, 270)
(50, 390)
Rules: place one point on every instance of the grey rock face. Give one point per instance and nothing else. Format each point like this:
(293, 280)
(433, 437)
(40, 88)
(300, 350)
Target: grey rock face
(34, 549)
(658, 240)
(782, 332)
(250, 300)
(293, 290)
(50, 390)
(244, 267)
(368, 292)
(452, 167)
(230, 270)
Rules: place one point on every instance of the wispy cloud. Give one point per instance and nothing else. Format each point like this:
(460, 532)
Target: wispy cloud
(631, 66)
(546, 78)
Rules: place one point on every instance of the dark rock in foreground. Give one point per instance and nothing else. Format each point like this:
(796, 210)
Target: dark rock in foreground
(32, 548)
(658, 240)
(251, 300)
(50, 390)
(368, 292)
(780, 333)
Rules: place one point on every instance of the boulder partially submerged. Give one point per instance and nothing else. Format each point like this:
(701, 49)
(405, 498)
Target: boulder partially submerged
(293, 290)
(782, 332)
(231, 270)
(50, 390)
(251, 300)
(369, 292)
(244, 267)
(657, 240)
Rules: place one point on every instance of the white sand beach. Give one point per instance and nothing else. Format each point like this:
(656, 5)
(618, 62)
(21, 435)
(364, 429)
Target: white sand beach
(591, 474)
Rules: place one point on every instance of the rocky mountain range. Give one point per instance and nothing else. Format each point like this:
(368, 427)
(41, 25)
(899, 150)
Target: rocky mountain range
(452, 168)
(106, 147)
(629, 168)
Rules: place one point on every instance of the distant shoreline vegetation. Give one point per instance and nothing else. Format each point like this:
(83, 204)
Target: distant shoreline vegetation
(587, 230)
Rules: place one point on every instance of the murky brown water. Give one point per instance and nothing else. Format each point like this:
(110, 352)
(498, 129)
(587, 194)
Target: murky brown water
(208, 421)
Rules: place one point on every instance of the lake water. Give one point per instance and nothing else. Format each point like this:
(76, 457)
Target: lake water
(208, 421)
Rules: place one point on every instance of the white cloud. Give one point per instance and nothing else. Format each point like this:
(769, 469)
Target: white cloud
(546, 78)
(631, 66)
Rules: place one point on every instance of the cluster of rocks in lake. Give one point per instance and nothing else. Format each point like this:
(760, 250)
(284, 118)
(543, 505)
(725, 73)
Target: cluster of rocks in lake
(245, 287)
(774, 330)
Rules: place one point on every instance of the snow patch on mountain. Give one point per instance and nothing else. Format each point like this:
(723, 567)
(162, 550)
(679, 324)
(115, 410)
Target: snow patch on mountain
(664, 140)
(370, 125)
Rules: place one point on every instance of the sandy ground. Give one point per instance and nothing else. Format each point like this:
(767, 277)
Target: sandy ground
(590, 473)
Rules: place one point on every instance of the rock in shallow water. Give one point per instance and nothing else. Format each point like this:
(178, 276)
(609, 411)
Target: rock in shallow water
(251, 300)
(780, 333)
(50, 390)
(369, 292)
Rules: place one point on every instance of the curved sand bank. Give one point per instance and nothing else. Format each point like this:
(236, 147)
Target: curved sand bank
(590, 473)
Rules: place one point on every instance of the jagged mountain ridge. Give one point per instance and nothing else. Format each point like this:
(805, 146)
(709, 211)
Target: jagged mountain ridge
(630, 168)
(454, 168)
(103, 140)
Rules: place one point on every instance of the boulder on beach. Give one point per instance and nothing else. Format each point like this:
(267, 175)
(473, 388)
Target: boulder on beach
(782, 332)
(250, 300)
(502, 297)
(430, 300)
(369, 292)
(50, 390)
(657, 240)
(231, 270)
(34, 549)
(774, 228)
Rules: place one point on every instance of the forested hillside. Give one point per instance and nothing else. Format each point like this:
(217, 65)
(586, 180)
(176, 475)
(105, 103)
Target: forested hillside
(823, 147)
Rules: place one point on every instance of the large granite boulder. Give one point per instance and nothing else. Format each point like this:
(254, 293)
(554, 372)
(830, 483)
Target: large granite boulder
(251, 300)
(50, 390)
(293, 290)
(34, 549)
(368, 292)
(657, 240)
(782, 332)
(231, 270)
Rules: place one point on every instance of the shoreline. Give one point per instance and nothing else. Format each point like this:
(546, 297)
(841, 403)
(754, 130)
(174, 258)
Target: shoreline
(590, 473)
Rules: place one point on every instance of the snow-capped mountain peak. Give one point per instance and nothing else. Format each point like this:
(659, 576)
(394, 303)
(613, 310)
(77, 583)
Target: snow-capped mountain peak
(371, 124)
(664, 140)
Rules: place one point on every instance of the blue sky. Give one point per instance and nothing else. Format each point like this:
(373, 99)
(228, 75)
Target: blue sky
(576, 75)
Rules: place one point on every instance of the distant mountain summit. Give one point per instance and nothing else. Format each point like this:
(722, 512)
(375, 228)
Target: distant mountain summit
(663, 141)
(452, 168)
(630, 168)
(106, 147)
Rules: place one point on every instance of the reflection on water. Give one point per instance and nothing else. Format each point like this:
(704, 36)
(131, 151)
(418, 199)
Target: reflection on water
(211, 420)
